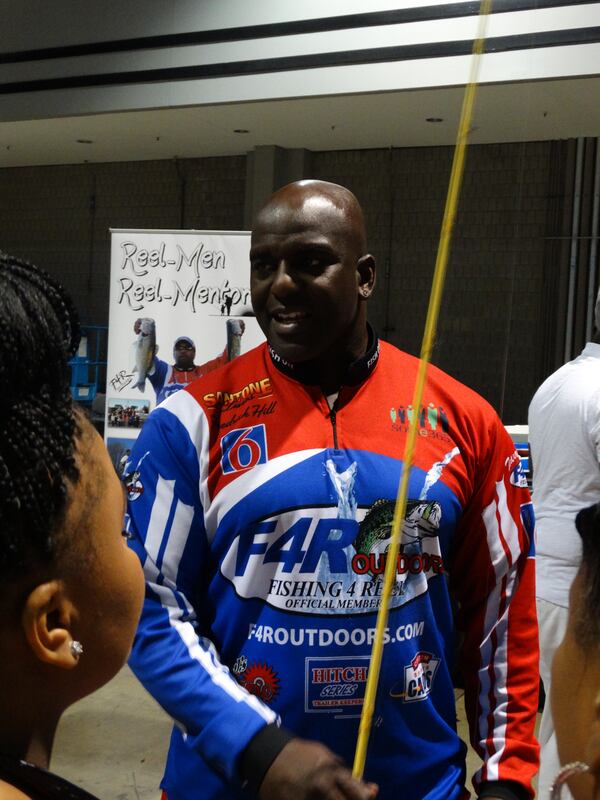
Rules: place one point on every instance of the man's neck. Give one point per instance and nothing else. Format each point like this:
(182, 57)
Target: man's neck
(331, 373)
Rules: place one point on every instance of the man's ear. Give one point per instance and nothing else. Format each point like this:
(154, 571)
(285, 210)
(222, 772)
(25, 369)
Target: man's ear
(366, 275)
(47, 620)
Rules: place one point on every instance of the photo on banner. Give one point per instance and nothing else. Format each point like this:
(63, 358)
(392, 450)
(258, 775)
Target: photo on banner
(179, 309)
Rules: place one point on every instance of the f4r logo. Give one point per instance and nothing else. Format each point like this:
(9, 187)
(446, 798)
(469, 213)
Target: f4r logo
(243, 449)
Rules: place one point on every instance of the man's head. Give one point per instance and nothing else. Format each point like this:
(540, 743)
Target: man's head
(311, 274)
(184, 352)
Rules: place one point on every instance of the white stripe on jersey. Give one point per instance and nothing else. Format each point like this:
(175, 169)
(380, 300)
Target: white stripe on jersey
(152, 574)
(159, 516)
(247, 483)
(499, 526)
(509, 526)
(192, 417)
(219, 674)
(176, 535)
(206, 655)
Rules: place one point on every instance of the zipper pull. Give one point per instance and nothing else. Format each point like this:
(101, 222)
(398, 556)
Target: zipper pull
(332, 417)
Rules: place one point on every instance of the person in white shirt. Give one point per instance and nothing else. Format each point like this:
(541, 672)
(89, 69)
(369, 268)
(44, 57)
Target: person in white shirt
(564, 438)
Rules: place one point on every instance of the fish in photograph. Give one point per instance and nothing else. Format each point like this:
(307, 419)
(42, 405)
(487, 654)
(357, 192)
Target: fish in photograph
(235, 329)
(144, 350)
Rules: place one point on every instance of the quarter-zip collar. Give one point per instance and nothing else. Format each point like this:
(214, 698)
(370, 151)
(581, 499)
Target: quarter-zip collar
(357, 372)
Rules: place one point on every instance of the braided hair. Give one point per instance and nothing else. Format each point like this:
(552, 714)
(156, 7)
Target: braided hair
(39, 332)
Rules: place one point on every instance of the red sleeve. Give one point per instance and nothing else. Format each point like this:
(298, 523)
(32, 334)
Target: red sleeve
(212, 365)
(492, 577)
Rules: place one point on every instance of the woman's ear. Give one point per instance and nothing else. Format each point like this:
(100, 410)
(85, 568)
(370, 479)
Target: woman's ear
(47, 620)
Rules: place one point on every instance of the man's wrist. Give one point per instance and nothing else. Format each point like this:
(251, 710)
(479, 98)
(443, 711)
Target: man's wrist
(503, 790)
(260, 753)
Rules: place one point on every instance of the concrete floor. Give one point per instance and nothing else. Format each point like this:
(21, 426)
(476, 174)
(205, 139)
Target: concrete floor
(114, 742)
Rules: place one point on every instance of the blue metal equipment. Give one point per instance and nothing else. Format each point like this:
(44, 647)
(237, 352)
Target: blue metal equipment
(87, 377)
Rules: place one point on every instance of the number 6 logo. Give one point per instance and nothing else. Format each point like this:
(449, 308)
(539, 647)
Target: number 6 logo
(243, 449)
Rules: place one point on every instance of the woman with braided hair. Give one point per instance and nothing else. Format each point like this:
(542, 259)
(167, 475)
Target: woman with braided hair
(71, 589)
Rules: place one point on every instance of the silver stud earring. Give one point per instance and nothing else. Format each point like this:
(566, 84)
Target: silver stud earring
(76, 649)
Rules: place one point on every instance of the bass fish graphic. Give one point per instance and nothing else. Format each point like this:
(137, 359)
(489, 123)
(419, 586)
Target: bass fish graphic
(144, 350)
(422, 520)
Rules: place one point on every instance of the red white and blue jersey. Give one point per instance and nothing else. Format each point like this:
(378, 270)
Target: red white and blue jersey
(166, 379)
(262, 519)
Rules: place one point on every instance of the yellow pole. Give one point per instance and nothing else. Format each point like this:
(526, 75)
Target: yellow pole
(437, 287)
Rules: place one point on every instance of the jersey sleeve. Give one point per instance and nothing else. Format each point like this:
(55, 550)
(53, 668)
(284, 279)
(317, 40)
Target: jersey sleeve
(158, 374)
(176, 664)
(213, 364)
(493, 582)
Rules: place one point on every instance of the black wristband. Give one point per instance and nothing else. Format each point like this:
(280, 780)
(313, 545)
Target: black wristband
(260, 753)
(505, 790)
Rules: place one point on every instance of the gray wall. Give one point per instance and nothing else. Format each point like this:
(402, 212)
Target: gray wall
(503, 277)
(59, 217)
(490, 332)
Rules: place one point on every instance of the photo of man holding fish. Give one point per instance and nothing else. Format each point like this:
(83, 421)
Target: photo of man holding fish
(172, 320)
(169, 378)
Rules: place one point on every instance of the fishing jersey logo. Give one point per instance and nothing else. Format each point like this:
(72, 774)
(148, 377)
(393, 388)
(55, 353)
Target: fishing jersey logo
(252, 390)
(432, 420)
(528, 520)
(336, 685)
(243, 448)
(518, 476)
(261, 680)
(131, 480)
(418, 678)
(249, 412)
(328, 560)
(422, 520)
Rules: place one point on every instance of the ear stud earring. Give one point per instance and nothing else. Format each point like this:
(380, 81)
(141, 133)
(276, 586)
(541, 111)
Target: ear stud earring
(76, 649)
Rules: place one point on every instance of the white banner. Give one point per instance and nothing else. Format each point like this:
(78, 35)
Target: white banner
(179, 308)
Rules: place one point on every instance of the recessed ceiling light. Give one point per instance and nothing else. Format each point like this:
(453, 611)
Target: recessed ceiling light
(241, 130)
(84, 141)
(434, 119)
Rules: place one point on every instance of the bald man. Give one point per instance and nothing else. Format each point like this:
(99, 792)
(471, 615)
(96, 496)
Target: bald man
(263, 524)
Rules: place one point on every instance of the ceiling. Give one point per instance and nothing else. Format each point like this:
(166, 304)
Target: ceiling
(528, 111)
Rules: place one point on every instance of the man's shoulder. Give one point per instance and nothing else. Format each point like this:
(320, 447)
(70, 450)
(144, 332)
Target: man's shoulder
(200, 394)
(444, 386)
(549, 389)
(575, 383)
(232, 376)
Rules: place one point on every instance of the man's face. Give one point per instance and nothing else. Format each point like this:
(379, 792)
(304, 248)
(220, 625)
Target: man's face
(184, 354)
(305, 280)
